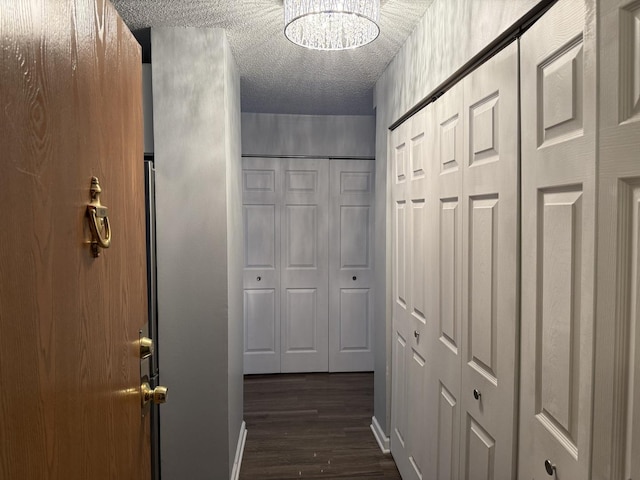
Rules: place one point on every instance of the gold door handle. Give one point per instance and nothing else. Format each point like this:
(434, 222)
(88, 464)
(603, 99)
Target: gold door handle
(157, 395)
(98, 220)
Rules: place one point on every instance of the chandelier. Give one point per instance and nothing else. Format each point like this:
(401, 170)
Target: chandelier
(331, 24)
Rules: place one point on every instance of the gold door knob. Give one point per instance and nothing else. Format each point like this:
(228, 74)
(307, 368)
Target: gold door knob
(157, 395)
(146, 347)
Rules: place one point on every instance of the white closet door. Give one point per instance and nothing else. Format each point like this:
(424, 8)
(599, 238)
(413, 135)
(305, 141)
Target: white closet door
(304, 300)
(445, 324)
(261, 187)
(351, 266)
(410, 438)
(427, 163)
(558, 234)
(616, 438)
(490, 269)
(398, 175)
(420, 202)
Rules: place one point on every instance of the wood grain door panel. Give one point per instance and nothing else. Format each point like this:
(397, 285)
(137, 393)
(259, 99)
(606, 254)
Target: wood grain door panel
(69, 368)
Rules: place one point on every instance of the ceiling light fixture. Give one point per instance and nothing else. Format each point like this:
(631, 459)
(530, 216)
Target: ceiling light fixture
(331, 24)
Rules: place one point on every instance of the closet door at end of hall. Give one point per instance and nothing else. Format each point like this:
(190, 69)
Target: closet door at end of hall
(490, 269)
(558, 243)
(350, 265)
(261, 190)
(304, 301)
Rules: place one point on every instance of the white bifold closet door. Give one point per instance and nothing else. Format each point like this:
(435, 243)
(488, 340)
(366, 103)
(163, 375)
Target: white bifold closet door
(304, 276)
(262, 199)
(490, 276)
(455, 229)
(307, 275)
(351, 265)
(413, 356)
(618, 302)
(558, 243)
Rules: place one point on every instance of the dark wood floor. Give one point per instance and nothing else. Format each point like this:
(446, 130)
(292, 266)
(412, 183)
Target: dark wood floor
(312, 426)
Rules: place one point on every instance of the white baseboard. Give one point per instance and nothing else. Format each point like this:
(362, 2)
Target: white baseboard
(381, 438)
(237, 463)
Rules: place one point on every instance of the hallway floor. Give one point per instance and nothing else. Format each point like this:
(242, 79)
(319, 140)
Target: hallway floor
(312, 426)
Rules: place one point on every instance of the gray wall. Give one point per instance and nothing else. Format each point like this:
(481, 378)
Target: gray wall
(196, 137)
(314, 135)
(450, 33)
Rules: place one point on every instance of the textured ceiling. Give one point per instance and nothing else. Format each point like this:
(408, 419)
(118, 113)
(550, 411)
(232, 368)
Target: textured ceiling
(276, 75)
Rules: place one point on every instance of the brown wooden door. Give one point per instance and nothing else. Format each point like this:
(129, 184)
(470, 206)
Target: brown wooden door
(70, 109)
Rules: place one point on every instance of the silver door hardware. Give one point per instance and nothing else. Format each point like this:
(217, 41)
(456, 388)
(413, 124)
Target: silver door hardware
(549, 467)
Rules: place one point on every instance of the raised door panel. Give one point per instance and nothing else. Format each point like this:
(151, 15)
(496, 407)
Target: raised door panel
(354, 320)
(482, 315)
(260, 236)
(447, 428)
(557, 398)
(262, 205)
(301, 236)
(300, 321)
(400, 254)
(354, 244)
(304, 265)
(261, 331)
(418, 259)
(419, 444)
(490, 317)
(260, 326)
(350, 265)
(616, 436)
(399, 411)
(558, 249)
(480, 452)
(449, 238)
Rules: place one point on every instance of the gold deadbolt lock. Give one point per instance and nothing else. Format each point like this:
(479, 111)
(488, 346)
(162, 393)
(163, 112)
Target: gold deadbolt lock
(156, 395)
(146, 347)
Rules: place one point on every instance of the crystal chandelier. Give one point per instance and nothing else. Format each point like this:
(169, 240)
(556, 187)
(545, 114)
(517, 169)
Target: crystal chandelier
(331, 24)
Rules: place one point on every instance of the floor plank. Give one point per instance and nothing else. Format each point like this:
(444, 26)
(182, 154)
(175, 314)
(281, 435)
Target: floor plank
(312, 426)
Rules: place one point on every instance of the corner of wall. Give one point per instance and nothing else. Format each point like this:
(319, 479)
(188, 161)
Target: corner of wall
(237, 462)
(383, 441)
(193, 267)
(235, 244)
